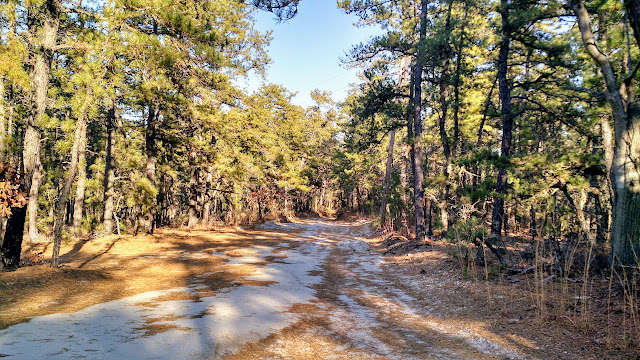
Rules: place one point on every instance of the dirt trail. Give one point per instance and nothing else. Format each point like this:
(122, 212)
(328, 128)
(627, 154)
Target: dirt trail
(361, 311)
(323, 292)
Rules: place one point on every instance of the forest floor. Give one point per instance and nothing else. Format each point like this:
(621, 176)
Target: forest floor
(308, 289)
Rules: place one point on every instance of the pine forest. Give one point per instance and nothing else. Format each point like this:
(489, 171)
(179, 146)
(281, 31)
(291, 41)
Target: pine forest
(486, 166)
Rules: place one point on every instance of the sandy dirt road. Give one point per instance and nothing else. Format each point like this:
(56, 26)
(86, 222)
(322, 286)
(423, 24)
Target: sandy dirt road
(325, 293)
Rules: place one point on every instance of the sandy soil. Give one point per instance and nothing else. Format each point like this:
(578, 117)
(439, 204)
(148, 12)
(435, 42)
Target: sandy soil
(313, 289)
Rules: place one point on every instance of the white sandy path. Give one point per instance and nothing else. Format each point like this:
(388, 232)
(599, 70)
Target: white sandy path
(215, 326)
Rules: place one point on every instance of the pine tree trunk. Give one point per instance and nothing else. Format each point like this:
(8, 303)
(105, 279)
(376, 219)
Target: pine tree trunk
(485, 114)
(11, 244)
(404, 183)
(625, 170)
(497, 218)
(32, 170)
(3, 121)
(150, 169)
(387, 178)
(607, 146)
(323, 190)
(410, 138)
(81, 128)
(39, 77)
(444, 138)
(404, 69)
(533, 227)
(109, 173)
(429, 219)
(193, 190)
(583, 219)
(418, 178)
(600, 215)
(81, 184)
(206, 210)
(456, 87)
(625, 230)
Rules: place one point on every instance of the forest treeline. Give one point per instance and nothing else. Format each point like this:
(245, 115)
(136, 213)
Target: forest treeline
(488, 120)
(476, 120)
(126, 115)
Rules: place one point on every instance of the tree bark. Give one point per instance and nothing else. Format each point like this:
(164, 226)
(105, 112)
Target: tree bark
(39, 76)
(11, 244)
(497, 218)
(109, 173)
(445, 53)
(444, 138)
(81, 184)
(152, 159)
(418, 188)
(410, 135)
(32, 169)
(3, 121)
(193, 189)
(633, 12)
(387, 178)
(625, 170)
(206, 210)
(443, 85)
(81, 128)
(456, 86)
(578, 205)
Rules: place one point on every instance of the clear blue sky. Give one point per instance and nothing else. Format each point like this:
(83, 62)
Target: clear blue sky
(306, 51)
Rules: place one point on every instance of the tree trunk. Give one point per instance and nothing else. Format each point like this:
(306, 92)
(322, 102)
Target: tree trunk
(11, 244)
(410, 139)
(578, 205)
(4, 132)
(625, 231)
(323, 190)
(109, 172)
(81, 184)
(206, 210)
(81, 128)
(444, 138)
(32, 170)
(633, 12)
(193, 189)
(456, 86)
(497, 218)
(533, 228)
(418, 178)
(39, 76)
(625, 171)
(404, 69)
(607, 146)
(429, 219)
(443, 85)
(387, 178)
(444, 216)
(485, 114)
(596, 192)
(150, 170)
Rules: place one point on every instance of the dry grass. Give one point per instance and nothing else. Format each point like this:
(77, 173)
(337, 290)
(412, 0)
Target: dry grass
(553, 318)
